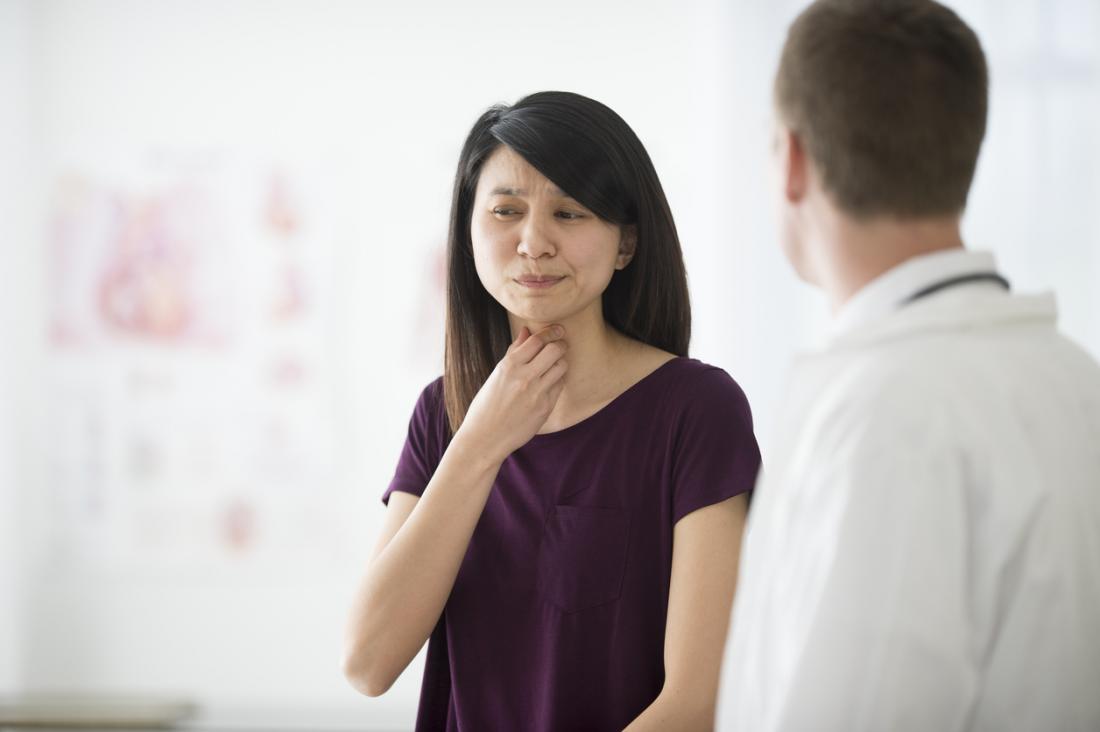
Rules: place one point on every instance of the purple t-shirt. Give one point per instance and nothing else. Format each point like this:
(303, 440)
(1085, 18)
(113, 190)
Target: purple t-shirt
(557, 616)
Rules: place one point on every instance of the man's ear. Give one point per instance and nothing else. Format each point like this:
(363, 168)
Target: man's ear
(628, 244)
(795, 165)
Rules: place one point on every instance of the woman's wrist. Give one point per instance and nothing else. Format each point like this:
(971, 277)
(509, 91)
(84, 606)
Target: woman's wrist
(475, 452)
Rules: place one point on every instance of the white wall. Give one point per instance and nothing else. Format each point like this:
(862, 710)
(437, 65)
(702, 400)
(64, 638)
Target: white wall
(18, 311)
(388, 92)
(1038, 180)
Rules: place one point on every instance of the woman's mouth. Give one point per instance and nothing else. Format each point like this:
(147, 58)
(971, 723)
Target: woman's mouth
(538, 282)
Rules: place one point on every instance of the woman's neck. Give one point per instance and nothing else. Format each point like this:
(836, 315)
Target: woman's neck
(595, 352)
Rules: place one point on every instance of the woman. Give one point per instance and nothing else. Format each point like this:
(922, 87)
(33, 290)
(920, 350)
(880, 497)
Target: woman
(565, 518)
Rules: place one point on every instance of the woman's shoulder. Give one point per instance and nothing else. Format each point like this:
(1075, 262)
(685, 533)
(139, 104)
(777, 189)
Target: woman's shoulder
(693, 385)
(433, 392)
(689, 372)
(430, 409)
(685, 376)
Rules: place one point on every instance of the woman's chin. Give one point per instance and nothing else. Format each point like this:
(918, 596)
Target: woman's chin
(524, 312)
(534, 314)
(533, 322)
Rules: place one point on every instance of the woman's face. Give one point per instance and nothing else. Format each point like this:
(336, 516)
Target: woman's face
(544, 257)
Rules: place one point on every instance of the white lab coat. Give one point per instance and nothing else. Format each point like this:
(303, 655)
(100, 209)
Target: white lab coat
(923, 550)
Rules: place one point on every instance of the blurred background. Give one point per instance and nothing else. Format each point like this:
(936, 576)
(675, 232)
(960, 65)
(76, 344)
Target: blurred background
(222, 229)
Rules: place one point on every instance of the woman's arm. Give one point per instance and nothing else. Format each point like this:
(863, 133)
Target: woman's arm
(402, 594)
(706, 548)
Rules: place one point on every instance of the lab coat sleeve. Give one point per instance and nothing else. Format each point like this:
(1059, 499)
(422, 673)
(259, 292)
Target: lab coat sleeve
(886, 646)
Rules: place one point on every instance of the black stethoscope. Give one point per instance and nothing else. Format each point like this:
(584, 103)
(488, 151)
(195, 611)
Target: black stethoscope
(956, 281)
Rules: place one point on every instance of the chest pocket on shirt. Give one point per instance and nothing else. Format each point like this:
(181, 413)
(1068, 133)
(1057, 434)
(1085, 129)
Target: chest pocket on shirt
(582, 557)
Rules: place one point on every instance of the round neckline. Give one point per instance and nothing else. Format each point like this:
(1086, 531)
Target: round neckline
(619, 398)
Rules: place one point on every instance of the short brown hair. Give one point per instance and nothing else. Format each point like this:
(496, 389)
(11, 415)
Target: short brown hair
(888, 97)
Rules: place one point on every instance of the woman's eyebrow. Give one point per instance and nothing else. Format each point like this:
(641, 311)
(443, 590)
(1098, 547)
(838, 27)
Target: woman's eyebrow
(509, 191)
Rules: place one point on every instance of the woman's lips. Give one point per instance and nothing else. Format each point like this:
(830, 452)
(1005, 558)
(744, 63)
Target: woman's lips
(540, 282)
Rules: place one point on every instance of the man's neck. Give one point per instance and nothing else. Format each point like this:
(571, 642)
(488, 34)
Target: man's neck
(853, 253)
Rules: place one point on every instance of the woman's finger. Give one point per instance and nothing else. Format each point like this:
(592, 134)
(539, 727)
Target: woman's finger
(531, 347)
(555, 373)
(522, 336)
(548, 356)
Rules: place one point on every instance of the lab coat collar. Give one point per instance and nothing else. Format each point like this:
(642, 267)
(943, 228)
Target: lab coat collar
(879, 310)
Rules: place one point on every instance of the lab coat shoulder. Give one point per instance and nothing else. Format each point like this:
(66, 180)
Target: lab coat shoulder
(951, 366)
(846, 403)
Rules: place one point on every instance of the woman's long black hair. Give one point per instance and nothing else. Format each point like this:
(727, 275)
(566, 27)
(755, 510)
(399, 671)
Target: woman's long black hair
(588, 151)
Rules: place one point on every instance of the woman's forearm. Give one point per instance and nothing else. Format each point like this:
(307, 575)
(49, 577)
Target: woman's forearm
(669, 711)
(401, 596)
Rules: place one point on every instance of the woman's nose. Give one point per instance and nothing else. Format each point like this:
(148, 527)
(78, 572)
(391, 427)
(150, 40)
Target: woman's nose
(534, 241)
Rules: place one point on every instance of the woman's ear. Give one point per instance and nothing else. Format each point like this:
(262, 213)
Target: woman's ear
(628, 243)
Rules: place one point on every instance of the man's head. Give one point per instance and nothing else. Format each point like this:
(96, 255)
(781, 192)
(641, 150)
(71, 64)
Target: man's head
(883, 105)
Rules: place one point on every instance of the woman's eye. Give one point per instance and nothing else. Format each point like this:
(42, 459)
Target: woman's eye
(570, 215)
(503, 211)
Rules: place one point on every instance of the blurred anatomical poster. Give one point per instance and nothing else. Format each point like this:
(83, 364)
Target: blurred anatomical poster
(193, 297)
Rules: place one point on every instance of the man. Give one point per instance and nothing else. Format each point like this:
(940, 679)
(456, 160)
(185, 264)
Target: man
(924, 547)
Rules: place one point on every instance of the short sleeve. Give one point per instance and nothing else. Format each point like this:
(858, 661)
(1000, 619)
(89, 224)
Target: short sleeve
(716, 456)
(424, 445)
